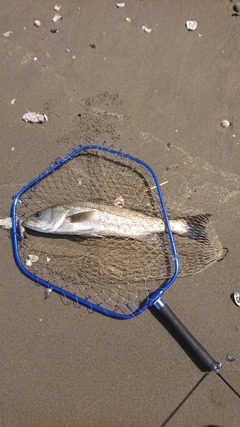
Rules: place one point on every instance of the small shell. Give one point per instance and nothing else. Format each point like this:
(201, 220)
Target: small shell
(32, 117)
(6, 223)
(225, 123)
(128, 20)
(54, 30)
(119, 201)
(146, 29)
(115, 271)
(7, 33)
(120, 5)
(37, 23)
(191, 25)
(230, 358)
(236, 7)
(48, 291)
(57, 7)
(56, 17)
(31, 259)
(236, 297)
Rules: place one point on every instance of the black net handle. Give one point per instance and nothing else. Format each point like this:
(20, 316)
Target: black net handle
(192, 347)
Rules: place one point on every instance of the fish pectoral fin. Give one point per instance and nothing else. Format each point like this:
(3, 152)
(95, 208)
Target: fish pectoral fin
(80, 217)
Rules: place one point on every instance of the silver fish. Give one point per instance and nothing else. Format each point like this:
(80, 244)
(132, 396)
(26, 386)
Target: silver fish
(89, 219)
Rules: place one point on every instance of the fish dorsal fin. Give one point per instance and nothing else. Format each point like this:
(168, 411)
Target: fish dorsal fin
(80, 217)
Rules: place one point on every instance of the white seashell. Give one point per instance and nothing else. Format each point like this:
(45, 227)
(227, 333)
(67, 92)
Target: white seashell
(13, 101)
(7, 33)
(6, 223)
(120, 5)
(48, 259)
(115, 271)
(57, 7)
(146, 29)
(57, 17)
(37, 23)
(48, 291)
(225, 123)
(230, 358)
(119, 201)
(33, 258)
(32, 117)
(236, 297)
(128, 20)
(191, 25)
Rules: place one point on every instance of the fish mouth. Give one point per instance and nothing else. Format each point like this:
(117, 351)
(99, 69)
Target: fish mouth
(33, 225)
(28, 224)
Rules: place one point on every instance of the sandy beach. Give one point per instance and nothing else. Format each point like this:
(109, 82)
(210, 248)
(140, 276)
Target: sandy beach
(160, 96)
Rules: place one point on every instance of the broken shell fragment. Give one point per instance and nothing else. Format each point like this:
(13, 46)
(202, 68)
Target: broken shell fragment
(31, 259)
(146, 29)
(119, 201)
(37, 23)
(7, 33)
(56, 17)
(48, 291)
(230, 358)
(120, 5)
(32, 117)
(54, 30)
(191, 25)
(128, 20)
(57, 7)
(236, 297)
(225, 123)
(6, 223)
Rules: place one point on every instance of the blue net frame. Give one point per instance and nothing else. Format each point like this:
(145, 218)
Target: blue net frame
(17, 237)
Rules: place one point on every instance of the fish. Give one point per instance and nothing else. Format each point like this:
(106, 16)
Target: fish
(91, 219)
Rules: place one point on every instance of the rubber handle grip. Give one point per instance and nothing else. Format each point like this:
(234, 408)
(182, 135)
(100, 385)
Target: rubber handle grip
(187, 341)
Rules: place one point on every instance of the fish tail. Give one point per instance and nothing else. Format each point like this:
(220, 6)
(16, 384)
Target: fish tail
(197, 226)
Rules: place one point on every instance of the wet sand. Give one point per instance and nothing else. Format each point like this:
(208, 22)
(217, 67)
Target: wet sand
(160, 96)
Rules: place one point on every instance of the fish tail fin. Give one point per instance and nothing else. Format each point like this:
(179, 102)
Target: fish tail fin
(197, 226)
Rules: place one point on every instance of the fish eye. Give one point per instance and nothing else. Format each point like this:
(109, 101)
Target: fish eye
(37, 214)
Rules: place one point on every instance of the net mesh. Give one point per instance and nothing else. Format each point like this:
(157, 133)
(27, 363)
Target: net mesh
(118, 274)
